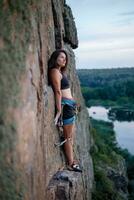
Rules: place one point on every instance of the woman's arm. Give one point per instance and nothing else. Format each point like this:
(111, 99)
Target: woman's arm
(55, 77)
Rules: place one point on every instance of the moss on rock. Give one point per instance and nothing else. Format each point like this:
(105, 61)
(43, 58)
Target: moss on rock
(15, 29)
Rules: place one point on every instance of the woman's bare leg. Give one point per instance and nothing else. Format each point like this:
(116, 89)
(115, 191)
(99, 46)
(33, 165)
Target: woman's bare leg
(68, 146)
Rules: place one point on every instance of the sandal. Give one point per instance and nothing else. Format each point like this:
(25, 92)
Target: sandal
(75, 167)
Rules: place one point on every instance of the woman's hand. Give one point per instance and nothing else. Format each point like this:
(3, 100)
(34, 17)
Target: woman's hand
(57, 117)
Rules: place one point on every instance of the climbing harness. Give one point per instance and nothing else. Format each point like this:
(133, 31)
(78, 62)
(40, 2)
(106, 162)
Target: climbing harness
(77, 109)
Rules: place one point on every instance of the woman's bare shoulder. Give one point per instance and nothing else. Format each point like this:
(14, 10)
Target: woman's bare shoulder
(55, 72)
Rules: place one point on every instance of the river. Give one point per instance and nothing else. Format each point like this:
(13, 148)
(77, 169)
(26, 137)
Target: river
(124, 129)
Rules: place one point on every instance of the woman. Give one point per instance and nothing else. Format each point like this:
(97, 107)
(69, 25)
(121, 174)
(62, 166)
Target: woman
(65, 104)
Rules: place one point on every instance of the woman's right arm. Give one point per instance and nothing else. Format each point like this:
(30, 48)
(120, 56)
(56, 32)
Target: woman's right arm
(55, 77)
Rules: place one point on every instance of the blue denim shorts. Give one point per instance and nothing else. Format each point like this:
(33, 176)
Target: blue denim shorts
(68, 112)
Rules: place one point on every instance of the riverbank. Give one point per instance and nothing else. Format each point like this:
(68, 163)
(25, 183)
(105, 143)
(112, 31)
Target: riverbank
(109, 158)
(123, 123)
(108, 87)
(125, 103)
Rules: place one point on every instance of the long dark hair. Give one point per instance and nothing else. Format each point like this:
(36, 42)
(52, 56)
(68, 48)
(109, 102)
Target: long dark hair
(52, 61)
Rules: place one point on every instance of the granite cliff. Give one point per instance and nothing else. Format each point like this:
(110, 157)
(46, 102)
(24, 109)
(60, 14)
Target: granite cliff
(29, 162)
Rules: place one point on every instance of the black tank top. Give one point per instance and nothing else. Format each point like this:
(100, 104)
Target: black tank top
(64, 82)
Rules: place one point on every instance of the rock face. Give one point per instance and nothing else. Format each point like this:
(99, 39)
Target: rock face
(119, 178)
(29, 161)
(70, 35)
(65, 185)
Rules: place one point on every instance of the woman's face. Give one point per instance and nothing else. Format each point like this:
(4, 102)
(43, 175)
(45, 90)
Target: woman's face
(61, 60)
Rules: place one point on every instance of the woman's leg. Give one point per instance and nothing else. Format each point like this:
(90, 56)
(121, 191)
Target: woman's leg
(68, 146)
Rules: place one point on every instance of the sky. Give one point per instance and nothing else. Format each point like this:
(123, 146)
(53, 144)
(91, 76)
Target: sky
(105, 32)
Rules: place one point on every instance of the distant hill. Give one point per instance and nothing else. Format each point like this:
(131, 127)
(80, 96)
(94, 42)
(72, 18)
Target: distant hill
(100, 77)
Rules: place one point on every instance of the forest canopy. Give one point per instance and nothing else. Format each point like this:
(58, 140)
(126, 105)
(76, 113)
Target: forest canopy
(107, 86)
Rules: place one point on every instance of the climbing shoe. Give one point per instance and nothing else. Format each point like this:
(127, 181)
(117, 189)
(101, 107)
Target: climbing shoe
(75, 167)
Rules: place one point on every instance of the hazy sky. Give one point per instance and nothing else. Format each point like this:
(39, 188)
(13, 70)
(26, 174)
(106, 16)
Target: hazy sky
(105, 31)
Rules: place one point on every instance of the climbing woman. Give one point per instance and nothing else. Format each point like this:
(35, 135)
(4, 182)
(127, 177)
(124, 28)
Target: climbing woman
(64, 102)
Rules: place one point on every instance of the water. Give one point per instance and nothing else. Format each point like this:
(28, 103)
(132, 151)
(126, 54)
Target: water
(98, 112)
(124, 130)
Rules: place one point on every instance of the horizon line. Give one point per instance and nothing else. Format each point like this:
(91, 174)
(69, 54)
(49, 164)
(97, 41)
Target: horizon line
(104, 68)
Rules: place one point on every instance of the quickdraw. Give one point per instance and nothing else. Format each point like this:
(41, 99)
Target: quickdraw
(58, 144)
